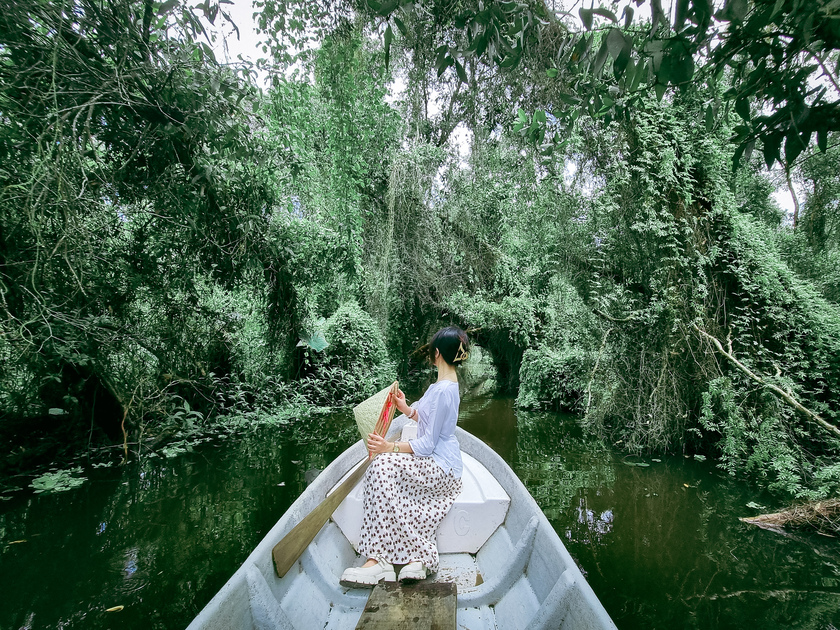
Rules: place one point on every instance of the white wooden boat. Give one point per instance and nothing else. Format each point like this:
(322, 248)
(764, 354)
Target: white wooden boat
(511, 569)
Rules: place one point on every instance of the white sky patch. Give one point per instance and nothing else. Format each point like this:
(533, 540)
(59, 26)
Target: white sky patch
(462, 139)
(783, 198)
(228, 47)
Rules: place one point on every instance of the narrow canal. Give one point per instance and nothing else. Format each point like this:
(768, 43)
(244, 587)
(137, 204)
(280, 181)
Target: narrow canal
(658, 539)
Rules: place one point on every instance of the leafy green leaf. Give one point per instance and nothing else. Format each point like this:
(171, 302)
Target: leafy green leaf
(444, 64)
(793, 146)
(586, 18)
(551, 72)
(389, 36)
(569, 99)
(621, 62)
(509, 61)
(58, 481)
(772, 143)
(641, 71)
(660, 90)
(459, 69)
(748, 149)
(600, 58)
(167, 6)
(742, 108)
(605, 13)
(682, 68)
(681, 15)
(615, 42)
(734, 11)
(628, 16)
(317, 341)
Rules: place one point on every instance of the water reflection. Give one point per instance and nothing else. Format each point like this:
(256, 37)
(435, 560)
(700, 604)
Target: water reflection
(159, 538)
(660, 544)
(594, 525)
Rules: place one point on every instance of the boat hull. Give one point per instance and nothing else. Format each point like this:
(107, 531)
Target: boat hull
(522, 577)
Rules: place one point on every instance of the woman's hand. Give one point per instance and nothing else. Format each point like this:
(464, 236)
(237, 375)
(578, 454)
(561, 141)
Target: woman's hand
(377, 443)
(401, 404)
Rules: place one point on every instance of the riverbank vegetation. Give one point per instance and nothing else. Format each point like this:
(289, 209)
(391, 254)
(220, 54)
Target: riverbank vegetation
(591, 195)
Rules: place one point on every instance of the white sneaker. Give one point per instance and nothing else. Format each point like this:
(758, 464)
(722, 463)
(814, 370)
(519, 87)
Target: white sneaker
(413, 571)
(369, 576)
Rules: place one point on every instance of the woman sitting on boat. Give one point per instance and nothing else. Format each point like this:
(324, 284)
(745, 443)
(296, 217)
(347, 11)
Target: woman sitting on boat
(411, 485)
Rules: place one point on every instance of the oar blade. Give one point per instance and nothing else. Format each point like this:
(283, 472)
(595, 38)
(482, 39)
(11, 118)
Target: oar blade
(292, 545)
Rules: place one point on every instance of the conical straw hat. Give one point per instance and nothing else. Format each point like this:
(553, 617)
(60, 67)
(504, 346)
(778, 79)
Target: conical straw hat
(374, 415)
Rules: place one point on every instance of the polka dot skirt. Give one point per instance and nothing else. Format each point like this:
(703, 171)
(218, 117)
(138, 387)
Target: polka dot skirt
(406, 498)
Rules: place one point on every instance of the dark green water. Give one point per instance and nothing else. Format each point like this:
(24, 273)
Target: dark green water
(661, 545)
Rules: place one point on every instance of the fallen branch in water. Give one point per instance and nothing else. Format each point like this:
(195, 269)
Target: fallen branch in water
(787, 397)
(820, 516)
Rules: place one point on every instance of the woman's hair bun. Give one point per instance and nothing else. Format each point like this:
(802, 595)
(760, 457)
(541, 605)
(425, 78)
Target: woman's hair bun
(453, 344)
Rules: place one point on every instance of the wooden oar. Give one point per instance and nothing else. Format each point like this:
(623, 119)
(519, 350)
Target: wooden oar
(293, 544)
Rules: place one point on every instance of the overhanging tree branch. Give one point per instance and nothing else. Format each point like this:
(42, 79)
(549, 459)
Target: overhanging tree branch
(773, 388)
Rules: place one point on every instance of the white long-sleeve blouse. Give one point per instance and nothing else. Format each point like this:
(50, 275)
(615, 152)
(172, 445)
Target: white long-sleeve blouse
(437, 415)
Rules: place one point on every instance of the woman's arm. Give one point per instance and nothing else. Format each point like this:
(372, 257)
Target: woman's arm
(432, 417)
(378, 444)
(403, 408)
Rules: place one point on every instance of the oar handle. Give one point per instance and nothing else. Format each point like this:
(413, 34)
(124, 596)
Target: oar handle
(292, 545)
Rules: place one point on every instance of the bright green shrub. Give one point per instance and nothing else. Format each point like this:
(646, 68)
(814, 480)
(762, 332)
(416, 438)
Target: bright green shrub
(355, 340)
(552, 378)
(354, 365)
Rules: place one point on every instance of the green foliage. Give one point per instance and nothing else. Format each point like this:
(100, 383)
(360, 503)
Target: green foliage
(813, 248)
(553, 379)
(514, 319)
(777, 319)
(355, 340)
(606, 71)
(780, 328)
(58, 481)
(129, 185)
(757, 440)
(168, 233)
(178, 247)
(555, 373)
(353, 366)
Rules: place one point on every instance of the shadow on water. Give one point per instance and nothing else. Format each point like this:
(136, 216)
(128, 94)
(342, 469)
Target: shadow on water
(660, 542)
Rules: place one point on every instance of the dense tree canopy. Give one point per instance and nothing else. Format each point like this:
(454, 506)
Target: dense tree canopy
(580, 191)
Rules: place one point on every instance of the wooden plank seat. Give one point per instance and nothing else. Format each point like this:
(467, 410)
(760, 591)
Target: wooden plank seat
(419, 606)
